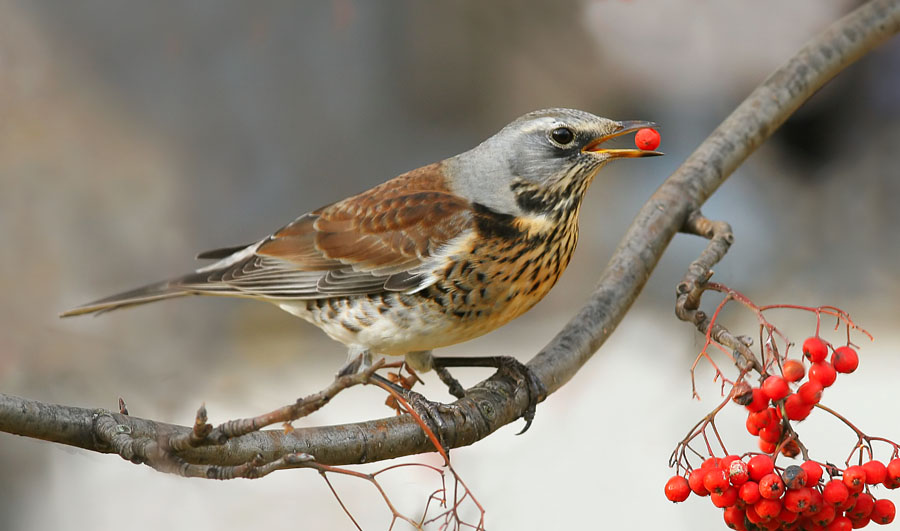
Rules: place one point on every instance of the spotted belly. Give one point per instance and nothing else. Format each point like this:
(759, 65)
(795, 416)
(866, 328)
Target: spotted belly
(475, 293)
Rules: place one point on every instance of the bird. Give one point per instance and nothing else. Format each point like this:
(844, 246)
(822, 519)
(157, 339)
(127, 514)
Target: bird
(433, 257)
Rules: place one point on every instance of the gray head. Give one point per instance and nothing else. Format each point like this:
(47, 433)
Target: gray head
(551, 150)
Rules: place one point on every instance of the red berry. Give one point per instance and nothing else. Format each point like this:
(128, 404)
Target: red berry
(825, 516)
(677, 489)
(796, 408)
(893, 474)
(815, 349)
(695, 480)
(835, 492)
(761, 419)
(816, 502)
(767, 508)
(749, 492)
(760, 400)
(793, 370)
(775, 387)
(771, 486)
(647, 139)
(727, 498)
(845, 359)
(716, 481)
(797, 500)
(752, 428)
(760, 465)
(810, 392)
(863, 507)
(840, 523)
(767, 447)
(854, 478)
(883, 512)
(822, 372)
(813, 472)
(771, 433)
(787, 517)
(876, 472)
(734, 518)
(738, 473)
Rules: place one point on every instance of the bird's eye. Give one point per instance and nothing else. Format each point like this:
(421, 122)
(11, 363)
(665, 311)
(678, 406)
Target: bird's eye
(562, 136)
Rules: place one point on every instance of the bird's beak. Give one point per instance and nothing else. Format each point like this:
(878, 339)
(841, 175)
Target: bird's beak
(616, 153)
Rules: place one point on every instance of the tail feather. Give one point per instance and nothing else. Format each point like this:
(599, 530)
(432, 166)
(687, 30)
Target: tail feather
(149, 293)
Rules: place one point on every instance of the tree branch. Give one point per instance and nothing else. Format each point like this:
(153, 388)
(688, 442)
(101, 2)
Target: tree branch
(500, 400)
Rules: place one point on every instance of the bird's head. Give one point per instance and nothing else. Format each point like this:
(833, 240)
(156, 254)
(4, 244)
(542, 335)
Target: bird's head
(552, 152)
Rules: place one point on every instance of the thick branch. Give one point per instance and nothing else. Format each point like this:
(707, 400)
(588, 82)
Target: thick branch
(498, 400)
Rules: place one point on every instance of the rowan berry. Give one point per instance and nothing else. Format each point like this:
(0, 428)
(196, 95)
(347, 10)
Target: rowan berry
(840, 523)
(767, 447)
(716, 481)
(771, 486)
(749, 492)
(883, 512)
(761, 419)
(677, 489)
(734, 518)
(893, 474)
(767, 508)
(825, 515)
(738, 473)
(796, 408)
(816, 502)
(815, 349)
(726, 498)
(647, 139)
(771, 433)
(855, 478)
(760, 465)
(863, 506)
(742, 393)
(752, 428)
(822, 372)
(759, 402)
(790, 448)
(775, 387)
(810, 392)
(876, 472)
(786, 516)
(797, 500)
(835, 492)
(695, 481)
(845, 359)
(813, 472)
(794, 477)
(793, 370)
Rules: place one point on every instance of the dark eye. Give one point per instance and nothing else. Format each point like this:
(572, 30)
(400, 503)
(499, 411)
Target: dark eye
(562, 135)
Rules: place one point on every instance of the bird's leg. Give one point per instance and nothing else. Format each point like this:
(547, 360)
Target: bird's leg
(358, 360)
(505, 364)
(429, 411)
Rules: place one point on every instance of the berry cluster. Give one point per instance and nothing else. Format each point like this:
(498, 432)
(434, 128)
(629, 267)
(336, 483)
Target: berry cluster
(756, 494)
(769, 403)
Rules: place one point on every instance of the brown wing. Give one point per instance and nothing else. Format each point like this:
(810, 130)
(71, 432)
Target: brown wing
(384, 239)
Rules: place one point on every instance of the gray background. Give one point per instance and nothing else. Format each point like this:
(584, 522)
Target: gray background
(135, 134)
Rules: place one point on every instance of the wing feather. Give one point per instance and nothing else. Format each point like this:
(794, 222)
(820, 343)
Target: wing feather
(390, 238)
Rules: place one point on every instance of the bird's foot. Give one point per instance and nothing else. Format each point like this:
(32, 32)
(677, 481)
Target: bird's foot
(428, 411)
(506, 365)
(405, 382)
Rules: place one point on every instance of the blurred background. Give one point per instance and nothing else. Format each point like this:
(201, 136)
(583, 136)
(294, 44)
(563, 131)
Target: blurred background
(135, 134)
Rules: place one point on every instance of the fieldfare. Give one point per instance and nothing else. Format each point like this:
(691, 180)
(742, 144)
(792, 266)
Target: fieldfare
(433, 257)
